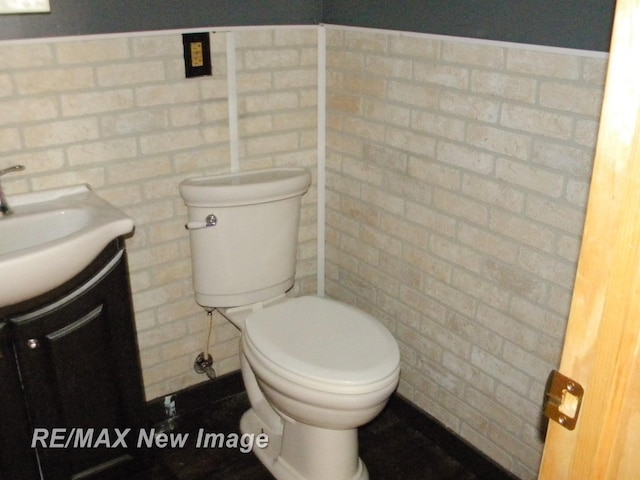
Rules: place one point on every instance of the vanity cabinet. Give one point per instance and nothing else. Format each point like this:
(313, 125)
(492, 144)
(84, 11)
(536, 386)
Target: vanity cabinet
(69, 360)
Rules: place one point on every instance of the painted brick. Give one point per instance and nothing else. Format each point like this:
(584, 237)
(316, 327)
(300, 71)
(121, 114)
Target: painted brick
(485, 291)
(530, 177)
(389, 67)
(134, 145)
(170, 141)
(490, 409)
(438, 125)
(473, 54)
(270, 102)
(595, 70)
(414, 47)
(505, 328)
(28, 109)
(523, 231)
(531, 120)
(295, 36)
(545, 267)
(10, 139)
(364, 85)
(555, 214)
(515, 280)
(431, 219)
(270, 59)
(465, 158)
(104, 151)
(61, 132)
(543, 63)
(586, 132)
(506, 373)
(365, 41)
(96, 102)
(432, 172)
(439, 74)
(34, 82)
(131, 123)
(460, 207)
(500, 141)
(571, 98)
(254, 38)
(504, 85)
(95, 51)
(422, 263)
(411, 94)
(27, 56)
(6, 86)
(130, 74)
(295, 79)
(158, 46)
(470, 106)
(567, 158)
(458, 228)
(166, 94)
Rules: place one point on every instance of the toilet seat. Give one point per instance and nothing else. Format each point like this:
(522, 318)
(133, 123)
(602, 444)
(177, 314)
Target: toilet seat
(323, 344)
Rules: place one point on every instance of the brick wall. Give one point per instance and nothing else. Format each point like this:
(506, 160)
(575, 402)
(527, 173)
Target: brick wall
(457, 175)
(457, 178)
(117, 113)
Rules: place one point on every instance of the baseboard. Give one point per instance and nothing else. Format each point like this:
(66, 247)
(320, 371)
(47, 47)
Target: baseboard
(461, 450)
(195, 398)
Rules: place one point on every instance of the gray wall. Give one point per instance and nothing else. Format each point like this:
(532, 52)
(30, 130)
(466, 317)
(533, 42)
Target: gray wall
(583, 24)
(85, 17)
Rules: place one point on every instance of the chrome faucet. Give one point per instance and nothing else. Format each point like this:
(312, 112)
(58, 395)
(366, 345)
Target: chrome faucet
(4, 206)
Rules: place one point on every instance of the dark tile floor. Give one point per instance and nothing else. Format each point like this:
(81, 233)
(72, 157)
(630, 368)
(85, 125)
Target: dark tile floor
(398, 445)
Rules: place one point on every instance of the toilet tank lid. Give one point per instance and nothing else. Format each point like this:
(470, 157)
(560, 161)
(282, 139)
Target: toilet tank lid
(324, 340)
(245, 188)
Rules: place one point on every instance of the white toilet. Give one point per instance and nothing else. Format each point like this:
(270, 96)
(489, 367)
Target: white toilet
(314, 369)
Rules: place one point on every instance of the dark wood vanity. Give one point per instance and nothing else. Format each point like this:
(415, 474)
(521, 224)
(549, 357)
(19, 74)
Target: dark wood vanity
(69, 360)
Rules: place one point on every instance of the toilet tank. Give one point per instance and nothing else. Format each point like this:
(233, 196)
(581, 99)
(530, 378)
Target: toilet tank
(243, 230)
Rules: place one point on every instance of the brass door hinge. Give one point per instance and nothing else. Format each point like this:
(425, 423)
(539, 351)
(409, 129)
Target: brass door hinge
(563, 398)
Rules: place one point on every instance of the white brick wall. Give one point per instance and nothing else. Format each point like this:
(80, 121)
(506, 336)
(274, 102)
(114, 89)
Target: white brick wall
(117, 113)
(457, 176)
(457, 180)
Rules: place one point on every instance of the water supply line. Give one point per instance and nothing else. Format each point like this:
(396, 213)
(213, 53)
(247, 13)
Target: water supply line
(204, 360)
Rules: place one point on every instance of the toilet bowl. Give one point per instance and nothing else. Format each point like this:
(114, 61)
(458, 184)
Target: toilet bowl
(314, 369)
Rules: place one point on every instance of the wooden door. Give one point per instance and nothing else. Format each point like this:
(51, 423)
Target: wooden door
(602, 345)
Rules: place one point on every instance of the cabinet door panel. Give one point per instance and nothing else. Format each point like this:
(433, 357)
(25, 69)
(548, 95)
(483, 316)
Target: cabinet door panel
(84, 347)
(17, 460)
(79, 365)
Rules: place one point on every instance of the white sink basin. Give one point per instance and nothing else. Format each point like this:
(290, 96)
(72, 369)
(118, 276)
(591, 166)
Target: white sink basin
(51, 236)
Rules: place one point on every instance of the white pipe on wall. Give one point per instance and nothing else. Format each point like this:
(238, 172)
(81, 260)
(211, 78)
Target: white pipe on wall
(321, 180)
(232, 102)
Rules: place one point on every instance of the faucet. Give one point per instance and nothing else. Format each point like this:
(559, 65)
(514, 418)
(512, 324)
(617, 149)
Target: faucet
(4, 206)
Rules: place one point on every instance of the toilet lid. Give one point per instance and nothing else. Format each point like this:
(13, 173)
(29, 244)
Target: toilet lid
(323, 340)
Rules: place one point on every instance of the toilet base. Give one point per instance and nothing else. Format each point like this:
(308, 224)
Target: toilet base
(304, 452)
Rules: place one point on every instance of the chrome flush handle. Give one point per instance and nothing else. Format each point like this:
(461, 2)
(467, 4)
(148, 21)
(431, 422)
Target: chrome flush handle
(210, 221)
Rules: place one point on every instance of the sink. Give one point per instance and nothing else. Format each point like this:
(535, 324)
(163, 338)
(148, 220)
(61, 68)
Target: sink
(51, 236)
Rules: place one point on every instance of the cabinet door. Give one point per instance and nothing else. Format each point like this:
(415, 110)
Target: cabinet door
(17, 459)
(79, 365)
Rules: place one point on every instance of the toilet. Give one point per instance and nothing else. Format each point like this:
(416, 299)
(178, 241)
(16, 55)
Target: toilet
(314, 369)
